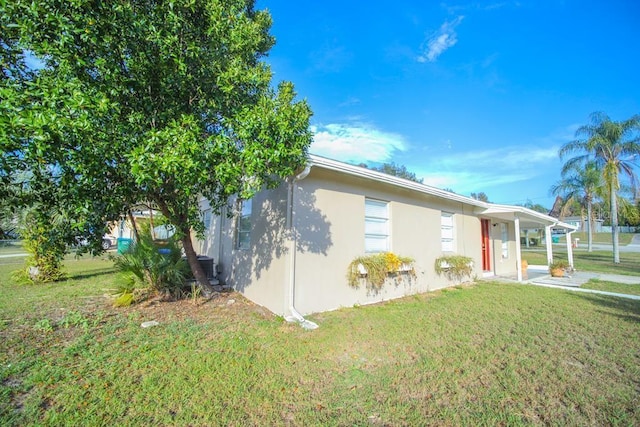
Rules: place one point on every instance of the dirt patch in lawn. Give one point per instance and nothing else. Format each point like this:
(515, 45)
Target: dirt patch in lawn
(220, 306)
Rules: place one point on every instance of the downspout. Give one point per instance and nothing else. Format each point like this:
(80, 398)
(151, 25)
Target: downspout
(295, 316)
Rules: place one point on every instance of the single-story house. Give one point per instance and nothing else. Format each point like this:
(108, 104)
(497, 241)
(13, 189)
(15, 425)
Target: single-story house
(289, 248)
(581, 223)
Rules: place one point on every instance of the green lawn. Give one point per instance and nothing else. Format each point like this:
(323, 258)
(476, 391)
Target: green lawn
(620, 288)
(488, 354)
(624, 238)
(600, 261)
(11, 247)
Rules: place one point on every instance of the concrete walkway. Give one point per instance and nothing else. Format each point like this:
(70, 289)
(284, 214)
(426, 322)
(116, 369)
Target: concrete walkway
(13, 255)
(538, 275)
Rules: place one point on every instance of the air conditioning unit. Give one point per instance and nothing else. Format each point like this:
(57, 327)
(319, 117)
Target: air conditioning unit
(207, 265)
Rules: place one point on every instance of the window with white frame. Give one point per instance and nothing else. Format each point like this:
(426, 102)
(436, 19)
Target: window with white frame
(376, 225)
(504, 233)
(447, 232)
(206, 220)
(244, 225)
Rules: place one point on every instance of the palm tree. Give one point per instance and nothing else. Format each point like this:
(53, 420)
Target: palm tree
(614, 148)
(580, 185)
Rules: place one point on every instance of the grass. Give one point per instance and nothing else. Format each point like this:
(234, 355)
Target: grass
(600, 261)
(493, 353)
(11, 247)
(620, 288)
(624, 238)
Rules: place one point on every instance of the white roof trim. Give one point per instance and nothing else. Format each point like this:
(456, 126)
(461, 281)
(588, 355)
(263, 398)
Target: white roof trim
(526, 213)
(361, 172)
(485, 208)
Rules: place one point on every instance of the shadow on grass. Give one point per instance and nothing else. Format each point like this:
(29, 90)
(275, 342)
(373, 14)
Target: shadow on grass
(602, 262)
(91, 274)
(622, 308)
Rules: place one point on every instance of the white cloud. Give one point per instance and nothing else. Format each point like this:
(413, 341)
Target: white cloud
(440, 41)
(355, 142)
(479, 170)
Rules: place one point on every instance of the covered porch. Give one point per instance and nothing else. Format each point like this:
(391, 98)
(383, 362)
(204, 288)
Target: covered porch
(526, 219)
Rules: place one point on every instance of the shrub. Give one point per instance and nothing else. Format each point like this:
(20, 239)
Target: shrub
(158, 266)
(128, 291)
(455, 267)
(45, 247)
(559, 265)
(376, 268)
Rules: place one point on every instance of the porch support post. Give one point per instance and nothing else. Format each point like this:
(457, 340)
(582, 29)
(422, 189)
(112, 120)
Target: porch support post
(547, 231)
(570, 248)
(516, 223)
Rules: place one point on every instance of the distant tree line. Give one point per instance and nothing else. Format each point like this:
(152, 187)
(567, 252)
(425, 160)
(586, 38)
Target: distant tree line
(396, 170)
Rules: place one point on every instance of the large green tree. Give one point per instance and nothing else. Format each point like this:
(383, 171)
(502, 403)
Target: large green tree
(614, 147)
(580, 184)
(139, 100)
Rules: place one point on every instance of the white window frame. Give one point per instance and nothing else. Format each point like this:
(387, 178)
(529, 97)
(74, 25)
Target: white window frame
(504, 235)
(206, 220)
(447, 231)
(243, 226)
(376, 226)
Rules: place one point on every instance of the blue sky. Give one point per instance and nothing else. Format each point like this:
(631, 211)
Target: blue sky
(472, 96)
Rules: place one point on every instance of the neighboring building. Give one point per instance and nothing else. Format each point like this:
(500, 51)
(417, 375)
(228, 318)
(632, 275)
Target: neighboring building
(123, 229)
(582, 224)
(288, 249)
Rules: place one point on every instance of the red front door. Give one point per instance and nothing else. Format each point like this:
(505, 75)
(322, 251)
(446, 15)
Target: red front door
(486, 255)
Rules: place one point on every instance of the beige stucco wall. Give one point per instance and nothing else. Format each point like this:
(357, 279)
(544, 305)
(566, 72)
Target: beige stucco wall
(503, 266)
(320, 277)
(328, 214)
(260, 272)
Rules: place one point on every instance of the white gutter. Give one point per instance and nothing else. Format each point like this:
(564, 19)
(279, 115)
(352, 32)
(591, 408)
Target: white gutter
(293, 242)
(483, 207)
(337, 166)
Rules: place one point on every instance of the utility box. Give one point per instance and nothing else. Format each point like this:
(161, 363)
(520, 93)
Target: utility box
(124, 245)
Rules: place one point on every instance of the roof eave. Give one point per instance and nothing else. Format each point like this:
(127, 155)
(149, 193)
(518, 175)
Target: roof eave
(361, 172)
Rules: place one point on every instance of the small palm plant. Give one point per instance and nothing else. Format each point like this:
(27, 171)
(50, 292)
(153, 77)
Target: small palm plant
(158, 266)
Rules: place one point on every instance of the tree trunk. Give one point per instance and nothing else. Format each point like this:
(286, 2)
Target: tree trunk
(151, 228)
(196, 268)
(134, 227)
(192, 258)
(589, 227)
(614, 224)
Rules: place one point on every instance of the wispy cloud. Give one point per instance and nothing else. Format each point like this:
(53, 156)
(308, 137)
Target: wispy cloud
(441, 40)
(351, 101)
(480, 170)
(355, 142)
(331, 58)
(477, 6)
